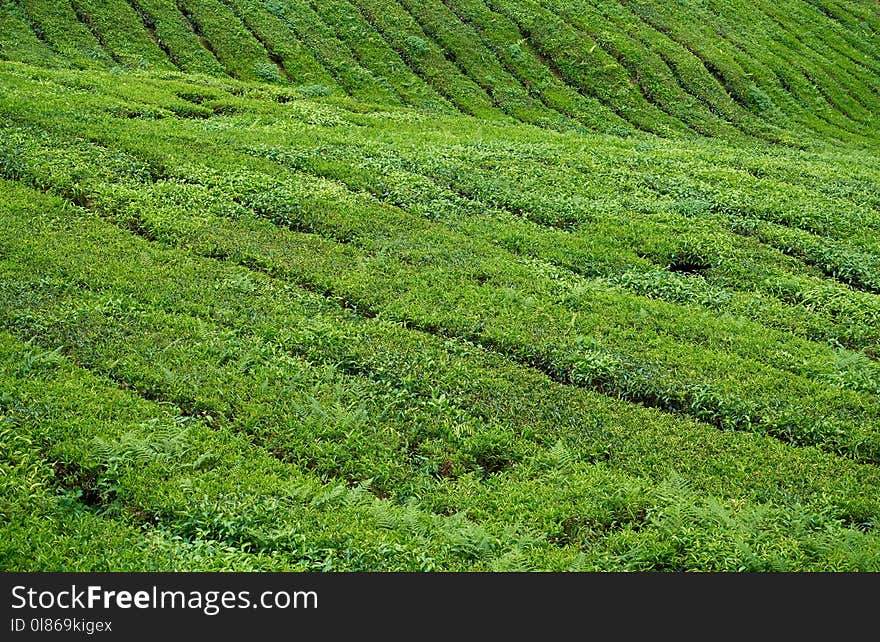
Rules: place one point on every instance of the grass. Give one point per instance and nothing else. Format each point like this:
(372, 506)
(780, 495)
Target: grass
(457, 285)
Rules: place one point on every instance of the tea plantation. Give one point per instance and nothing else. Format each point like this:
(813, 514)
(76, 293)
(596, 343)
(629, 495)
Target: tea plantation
(492, 285)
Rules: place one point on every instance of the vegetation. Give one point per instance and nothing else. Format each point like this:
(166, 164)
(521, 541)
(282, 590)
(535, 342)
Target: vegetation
(445, 285)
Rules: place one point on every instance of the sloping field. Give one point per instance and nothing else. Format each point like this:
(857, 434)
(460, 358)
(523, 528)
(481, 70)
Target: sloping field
(443, 285)
(767, 71)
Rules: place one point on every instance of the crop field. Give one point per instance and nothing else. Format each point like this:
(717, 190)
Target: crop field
(453, 285)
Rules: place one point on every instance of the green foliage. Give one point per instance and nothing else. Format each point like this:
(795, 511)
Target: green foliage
(392, 285)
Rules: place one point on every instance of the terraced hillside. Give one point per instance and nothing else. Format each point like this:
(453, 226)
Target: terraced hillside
(444, 285)
(782, 72)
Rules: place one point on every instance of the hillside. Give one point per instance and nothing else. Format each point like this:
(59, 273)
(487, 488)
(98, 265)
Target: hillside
(447, 285)
(730, 68)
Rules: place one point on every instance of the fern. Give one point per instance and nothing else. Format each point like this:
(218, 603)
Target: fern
(560, 456)
(166, 443)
